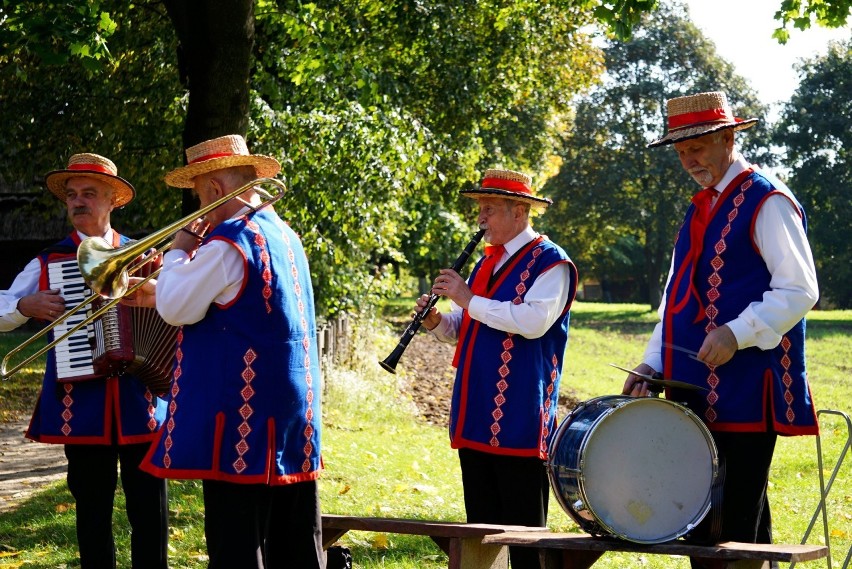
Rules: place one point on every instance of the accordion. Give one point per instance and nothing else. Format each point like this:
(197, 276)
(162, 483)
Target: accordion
(123, 341)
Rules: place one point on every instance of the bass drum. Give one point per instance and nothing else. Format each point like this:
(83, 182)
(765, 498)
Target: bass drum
(640, 469)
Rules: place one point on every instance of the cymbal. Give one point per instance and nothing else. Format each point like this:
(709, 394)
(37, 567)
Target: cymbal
(658, 383)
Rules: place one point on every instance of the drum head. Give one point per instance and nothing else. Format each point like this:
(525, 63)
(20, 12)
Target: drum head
(647, 470)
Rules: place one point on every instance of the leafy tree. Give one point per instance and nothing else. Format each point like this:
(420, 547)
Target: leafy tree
(814, 129)
(803, 13)
(613, 195)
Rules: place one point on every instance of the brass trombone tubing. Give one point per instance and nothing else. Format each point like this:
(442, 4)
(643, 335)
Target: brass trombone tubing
(108, 276)
(6, 374)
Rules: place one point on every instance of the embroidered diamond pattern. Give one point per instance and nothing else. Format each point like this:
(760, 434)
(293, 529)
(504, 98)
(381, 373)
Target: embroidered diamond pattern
(738, 201)
(248, 374)
(525, 275)
(246, 411)
(787, 379)
(169, 443)
(172, 406)
(249, 357)
(536, 252)
(308, 448)
(502, 385)
(717, 263)
(712, 398)
(713, 294)
(720, 247)
(239, 465)
(786, 343)
(67, 400)
(747, 184)
(167, 461)
(712, 312)
(310, 414)
(494, 442)
(785, 361)
(308, 432)
(306, 465)
(242, 447)
(170, 425)
(152, 424)
(508, 344)
(726, 230)
(500, 399)
(495, 429)
(506, 357)
(710, 415)
(714, 280)
(497, 414)
(503, 371)
(788, 397)
(67, 415)
(713, 381)
(66, 429)
(733, 215)
(297, 289)
(790, 415)
(247, 392)
(521, 288)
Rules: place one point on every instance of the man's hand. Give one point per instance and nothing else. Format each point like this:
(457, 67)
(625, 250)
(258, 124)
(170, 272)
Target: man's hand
(433, 317)
(44, 304)
(634, 385)
(451, 285)
(189, 238)
(718, 347)
(145, 296)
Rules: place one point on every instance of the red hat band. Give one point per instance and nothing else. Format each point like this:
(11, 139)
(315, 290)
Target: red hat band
(509, 185)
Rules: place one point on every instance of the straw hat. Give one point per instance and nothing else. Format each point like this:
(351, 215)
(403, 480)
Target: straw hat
(223, 152)
(696, 115)
(90, 166)
(507, 184)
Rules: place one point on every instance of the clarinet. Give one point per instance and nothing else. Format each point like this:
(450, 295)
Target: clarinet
(389, 363)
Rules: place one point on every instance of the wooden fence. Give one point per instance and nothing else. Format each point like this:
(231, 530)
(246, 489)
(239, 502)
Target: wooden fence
(333, 341)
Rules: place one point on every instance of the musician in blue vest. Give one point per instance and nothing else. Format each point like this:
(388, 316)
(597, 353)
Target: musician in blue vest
(510, 324)
(732, 317)
(244, 407)
(102, 421)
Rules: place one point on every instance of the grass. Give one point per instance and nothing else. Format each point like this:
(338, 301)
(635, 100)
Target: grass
(381, 461)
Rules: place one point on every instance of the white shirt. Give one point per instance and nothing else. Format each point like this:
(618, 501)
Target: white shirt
(780, 237)
(543, 302)
(25, 283)
(187, 286)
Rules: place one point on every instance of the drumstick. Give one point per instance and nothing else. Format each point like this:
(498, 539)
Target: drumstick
(690, 353)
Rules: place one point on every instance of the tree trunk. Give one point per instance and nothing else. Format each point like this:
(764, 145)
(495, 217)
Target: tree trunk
(215, 41)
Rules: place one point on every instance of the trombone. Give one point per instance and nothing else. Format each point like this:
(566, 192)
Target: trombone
(107, 270)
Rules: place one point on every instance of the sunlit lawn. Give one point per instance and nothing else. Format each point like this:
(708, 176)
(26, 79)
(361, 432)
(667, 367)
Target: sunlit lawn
(381, 461)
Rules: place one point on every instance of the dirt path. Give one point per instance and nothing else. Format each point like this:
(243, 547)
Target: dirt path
(25, 466)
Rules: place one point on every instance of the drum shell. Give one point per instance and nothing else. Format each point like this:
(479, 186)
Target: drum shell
(639, 469)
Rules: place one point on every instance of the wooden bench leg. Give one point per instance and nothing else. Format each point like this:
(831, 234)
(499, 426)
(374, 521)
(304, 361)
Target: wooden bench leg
(471, 553)
(329, 536)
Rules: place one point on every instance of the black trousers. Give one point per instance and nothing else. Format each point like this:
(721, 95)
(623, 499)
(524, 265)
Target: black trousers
(255, 526)
(92, 479)
(745, 459)
(506, 490)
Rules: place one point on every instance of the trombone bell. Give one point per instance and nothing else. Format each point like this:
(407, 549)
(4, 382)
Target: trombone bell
(103, 266)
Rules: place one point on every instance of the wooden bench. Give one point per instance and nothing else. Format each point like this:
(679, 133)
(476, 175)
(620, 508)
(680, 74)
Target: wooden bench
(460, 541)
(580, 551)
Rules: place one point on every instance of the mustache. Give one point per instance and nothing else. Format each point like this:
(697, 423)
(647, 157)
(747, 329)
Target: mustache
(80, 210)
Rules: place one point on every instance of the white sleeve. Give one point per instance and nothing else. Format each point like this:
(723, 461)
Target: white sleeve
(25, 283)
(187, 287)
(780, 237)
(542, 305)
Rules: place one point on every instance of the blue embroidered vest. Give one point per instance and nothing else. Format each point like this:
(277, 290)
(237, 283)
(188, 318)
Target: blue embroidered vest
(96, 411)
(245, 400)
(507, 386)
(756, 390)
